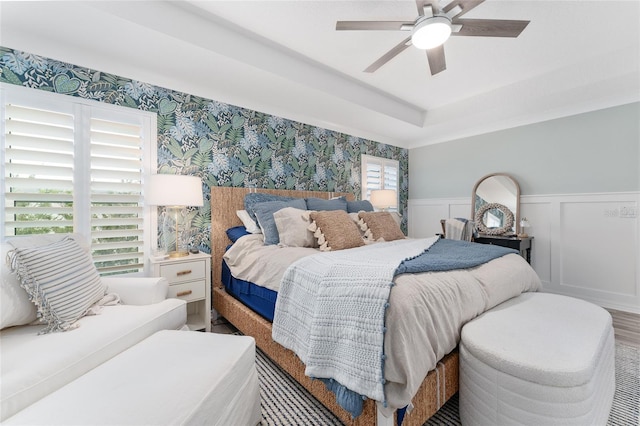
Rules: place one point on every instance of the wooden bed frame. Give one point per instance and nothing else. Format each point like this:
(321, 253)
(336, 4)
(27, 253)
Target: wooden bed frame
(439, 385)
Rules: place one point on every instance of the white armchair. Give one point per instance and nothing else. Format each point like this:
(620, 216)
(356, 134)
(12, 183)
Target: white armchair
(137, 290)
(35, 365)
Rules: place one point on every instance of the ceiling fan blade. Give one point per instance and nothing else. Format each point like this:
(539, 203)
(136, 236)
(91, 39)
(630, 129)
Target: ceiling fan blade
(444, 3)
(490, 27)
(422, 4)
(389, 55)
(436, 59)
(372, 25)
(464, 5)
(454, 12)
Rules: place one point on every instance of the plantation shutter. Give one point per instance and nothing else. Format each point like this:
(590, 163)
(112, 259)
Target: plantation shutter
(39, 170)
(373, 176)
(117, 217)
(379, 173)
(72, 165)
(390, 176)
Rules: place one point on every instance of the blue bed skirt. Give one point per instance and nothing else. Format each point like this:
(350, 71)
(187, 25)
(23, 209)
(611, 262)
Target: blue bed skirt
(259, 299)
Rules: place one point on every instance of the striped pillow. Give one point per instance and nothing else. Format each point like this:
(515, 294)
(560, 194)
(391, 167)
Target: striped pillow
(61, 281)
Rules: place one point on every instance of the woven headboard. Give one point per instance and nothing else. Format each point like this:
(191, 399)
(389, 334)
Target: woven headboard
(224, 203)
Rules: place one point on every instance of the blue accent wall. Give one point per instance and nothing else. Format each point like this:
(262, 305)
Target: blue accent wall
(225, 145)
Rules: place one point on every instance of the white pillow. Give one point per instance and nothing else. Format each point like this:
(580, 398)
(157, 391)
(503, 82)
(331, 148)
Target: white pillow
(15, 306)
(60, 279)
(293, 227)
(248, 222)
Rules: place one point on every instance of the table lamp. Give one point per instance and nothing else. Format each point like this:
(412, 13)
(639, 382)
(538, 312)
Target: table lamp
(175, 193)
(384, 199)
(524, 224)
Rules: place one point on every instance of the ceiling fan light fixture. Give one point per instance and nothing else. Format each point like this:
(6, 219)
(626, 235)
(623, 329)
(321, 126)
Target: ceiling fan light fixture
(431, 32)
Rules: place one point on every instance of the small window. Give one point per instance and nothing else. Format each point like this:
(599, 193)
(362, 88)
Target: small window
(379, 173)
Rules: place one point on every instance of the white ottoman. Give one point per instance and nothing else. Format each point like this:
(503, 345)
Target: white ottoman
(170, 378)
(538, 359)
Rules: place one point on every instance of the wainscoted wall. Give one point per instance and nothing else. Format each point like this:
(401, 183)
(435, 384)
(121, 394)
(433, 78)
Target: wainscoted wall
(584, 245)
(225, 145)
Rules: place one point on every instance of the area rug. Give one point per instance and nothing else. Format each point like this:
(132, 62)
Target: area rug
(284, 402)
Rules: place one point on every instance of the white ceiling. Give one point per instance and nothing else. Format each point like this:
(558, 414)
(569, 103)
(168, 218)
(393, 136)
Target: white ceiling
(285, 58)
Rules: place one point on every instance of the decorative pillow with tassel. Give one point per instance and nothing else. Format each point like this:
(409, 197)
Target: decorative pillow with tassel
(335, 230)
(379, 226)
(60, 279)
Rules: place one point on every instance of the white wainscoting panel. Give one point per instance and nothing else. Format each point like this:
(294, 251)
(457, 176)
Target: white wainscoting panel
(539, 213)
(585, 245)
(425, 215)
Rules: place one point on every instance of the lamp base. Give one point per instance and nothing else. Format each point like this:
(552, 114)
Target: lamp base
(174, 254)
(173, 235)
(523, 235)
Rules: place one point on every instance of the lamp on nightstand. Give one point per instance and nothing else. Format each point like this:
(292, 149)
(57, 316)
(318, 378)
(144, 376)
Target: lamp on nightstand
(384, 199)
(175, 193)
(524, 224)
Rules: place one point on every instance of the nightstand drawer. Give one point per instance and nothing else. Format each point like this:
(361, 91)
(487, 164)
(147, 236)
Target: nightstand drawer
(190, 280)
(185, 271)
(187, 291)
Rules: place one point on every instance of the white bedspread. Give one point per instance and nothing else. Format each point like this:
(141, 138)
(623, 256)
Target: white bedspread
(426, 313)
(250, 260)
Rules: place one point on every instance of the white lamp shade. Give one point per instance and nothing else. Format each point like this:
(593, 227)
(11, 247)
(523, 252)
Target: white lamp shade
(430, 33)
(174, 190)
(384, 198)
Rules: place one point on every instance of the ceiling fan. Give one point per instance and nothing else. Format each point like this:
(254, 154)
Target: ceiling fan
(436, 21)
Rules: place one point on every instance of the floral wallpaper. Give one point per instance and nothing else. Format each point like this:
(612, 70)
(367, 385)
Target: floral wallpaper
(225, 145)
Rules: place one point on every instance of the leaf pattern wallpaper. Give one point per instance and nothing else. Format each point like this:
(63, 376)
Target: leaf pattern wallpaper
(225, 145)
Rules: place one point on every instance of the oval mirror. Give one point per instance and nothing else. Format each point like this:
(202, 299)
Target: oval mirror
(497, 198)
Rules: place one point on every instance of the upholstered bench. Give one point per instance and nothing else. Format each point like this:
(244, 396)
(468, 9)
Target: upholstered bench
(538, 359)
(170, 378)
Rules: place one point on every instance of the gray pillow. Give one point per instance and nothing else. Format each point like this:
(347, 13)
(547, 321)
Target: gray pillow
(61, 281)
(252, 199)
(319, 204)
(264, 211)
(358, 206)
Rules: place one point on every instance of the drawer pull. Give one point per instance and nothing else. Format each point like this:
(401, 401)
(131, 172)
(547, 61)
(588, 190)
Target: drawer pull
(184, 293)
(185, 272)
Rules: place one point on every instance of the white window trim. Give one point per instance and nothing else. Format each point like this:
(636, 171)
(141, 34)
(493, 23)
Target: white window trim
(150, 154)
(384, 162)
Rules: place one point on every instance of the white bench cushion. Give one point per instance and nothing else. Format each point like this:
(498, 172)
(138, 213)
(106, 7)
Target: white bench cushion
(171, 378)
(538, 359)
(34, 366)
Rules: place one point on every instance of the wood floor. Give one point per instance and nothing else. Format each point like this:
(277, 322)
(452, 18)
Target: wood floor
(626, 326)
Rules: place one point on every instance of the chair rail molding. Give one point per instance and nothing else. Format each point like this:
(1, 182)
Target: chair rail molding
(585, 245)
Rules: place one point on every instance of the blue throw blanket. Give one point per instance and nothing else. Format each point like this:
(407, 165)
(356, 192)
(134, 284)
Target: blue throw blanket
(447, 255)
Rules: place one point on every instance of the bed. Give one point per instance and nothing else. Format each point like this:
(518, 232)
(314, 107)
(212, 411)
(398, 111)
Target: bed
(436, 388)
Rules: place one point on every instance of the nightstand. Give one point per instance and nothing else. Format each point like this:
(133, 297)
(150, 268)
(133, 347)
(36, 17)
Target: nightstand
(523, 245)
(190, 280)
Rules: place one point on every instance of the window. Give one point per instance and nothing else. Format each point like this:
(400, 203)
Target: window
(379, 173)
(72, 165)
